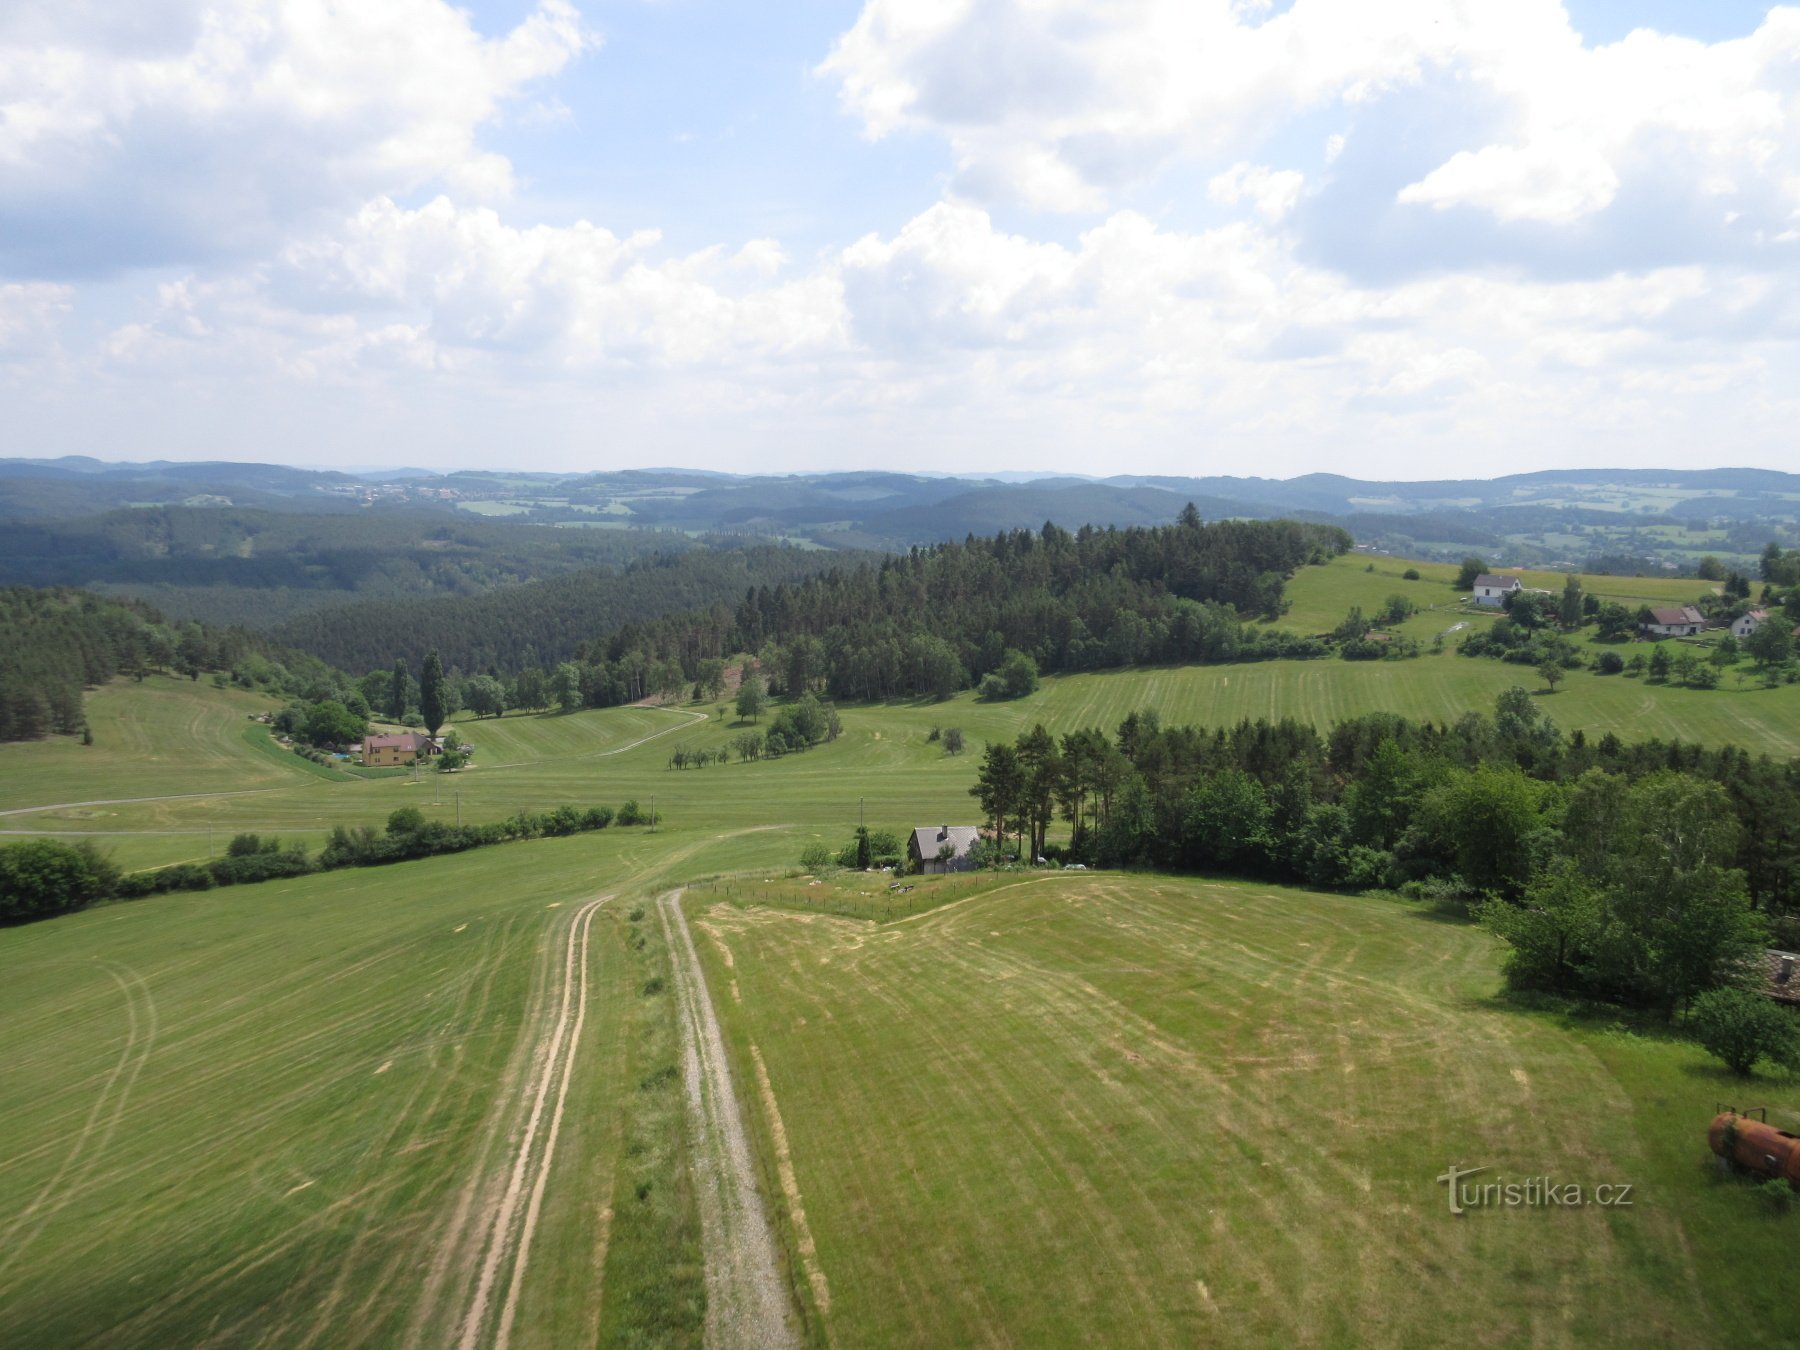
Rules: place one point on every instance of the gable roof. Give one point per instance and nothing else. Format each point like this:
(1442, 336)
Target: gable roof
(1668, 618)
(1498, 583)
(403, 740)
(928, 839)
(1781, 972)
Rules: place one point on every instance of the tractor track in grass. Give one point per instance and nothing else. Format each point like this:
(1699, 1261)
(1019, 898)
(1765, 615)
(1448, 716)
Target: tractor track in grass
(96, 1132)
(747, 1301)
(507, 1241)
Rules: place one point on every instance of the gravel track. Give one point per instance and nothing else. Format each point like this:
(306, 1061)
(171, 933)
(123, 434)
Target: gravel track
(747, 1300)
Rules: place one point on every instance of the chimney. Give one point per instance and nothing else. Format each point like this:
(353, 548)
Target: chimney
(1787, 969)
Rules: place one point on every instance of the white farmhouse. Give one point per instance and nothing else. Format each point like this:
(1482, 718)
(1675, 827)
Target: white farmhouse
(1746, 624)
(1684, 622)
(1492, 591)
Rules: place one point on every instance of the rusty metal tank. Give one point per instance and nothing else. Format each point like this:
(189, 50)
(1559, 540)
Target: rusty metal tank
(1756, 1146)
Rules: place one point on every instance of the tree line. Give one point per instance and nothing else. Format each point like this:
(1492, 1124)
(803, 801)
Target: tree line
(40, 878)
(1644, 871)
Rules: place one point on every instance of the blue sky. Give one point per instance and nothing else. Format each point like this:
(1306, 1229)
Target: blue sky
(1150, 235)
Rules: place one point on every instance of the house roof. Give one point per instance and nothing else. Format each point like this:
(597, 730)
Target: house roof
(1671, 617)
(1781, 971)
(928, 839)
(404, 740)
(1489, 579)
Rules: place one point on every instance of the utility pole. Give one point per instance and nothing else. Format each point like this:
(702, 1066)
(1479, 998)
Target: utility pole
(459, 810)
(652, 813)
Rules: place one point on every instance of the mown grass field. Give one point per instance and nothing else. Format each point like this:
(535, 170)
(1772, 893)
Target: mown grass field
(267, 1115)
(976, 1151)
(1321, 596)
(884, 758)
(1107, 1109)
(159, 736)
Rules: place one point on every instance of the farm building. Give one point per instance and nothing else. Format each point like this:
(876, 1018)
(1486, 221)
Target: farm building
(926, 850)
(1492, 591)
(1683, 622)
(1782, 979)
(379, 752)
(1746, 624)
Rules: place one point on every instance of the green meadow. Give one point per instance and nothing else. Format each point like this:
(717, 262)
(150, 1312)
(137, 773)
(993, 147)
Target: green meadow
(1063, 1110)
(1100, 1109)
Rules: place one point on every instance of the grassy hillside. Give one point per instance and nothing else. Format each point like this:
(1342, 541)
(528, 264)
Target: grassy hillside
(269, 1113)
(1321, 596)
(159, 736)
(1171, 1112)
(282, 1115)
(884, 756)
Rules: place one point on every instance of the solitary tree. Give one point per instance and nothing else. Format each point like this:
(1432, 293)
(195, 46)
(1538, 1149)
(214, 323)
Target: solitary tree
(752, 698)
(1551, 673)
(399, 691)
(432, 706)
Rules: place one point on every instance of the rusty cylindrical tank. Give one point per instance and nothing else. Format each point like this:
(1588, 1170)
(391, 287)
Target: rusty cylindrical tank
(1756, 1147)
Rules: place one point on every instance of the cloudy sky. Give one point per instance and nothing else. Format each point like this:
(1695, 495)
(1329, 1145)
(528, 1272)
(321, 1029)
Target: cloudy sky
(1406, 238)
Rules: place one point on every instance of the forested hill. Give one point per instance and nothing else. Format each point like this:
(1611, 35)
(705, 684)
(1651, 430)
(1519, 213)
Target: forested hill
(228, 565)
(545, 621)
(940, 618)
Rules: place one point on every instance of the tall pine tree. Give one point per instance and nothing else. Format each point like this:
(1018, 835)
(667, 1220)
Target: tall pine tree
(399, 691)
(431, 693)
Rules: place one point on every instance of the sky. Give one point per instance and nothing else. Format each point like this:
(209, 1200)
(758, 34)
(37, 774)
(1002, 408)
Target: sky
(1390, 239)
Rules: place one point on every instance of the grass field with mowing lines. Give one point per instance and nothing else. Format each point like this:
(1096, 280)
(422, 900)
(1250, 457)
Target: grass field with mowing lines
(1320, 596)
(1073, 1111)
(252, 1115)
(963, 1112)
(884, 756)
(161, 735)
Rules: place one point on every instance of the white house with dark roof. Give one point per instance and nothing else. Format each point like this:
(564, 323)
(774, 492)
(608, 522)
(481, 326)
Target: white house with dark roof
(1683, 622)
(942, 848)
(1492, 591)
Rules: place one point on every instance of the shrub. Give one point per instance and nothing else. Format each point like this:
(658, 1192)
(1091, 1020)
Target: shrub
(815, 857)
(44, 876)
(629, 813)
(1610, 663)
(1410, 574)
(1740, 1028)
(407, 820)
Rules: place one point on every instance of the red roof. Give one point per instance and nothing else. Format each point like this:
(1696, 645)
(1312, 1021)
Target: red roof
(404, 740)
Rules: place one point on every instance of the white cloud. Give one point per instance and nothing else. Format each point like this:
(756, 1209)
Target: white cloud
(1059, 104)
(226, 123)
(1272, 191)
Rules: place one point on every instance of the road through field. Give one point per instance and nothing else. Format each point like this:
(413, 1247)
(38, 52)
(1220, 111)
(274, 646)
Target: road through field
(508, 1238)
(746, 1297)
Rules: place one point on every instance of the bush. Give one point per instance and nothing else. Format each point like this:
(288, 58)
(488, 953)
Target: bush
(1740, 1028)
(407, 820)
(815, 858)
(1610, 663)
(1410, 574)
(40, 877)
(630, 813)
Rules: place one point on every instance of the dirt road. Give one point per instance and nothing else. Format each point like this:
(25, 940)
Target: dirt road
(506, 1240)
(747, 1300)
